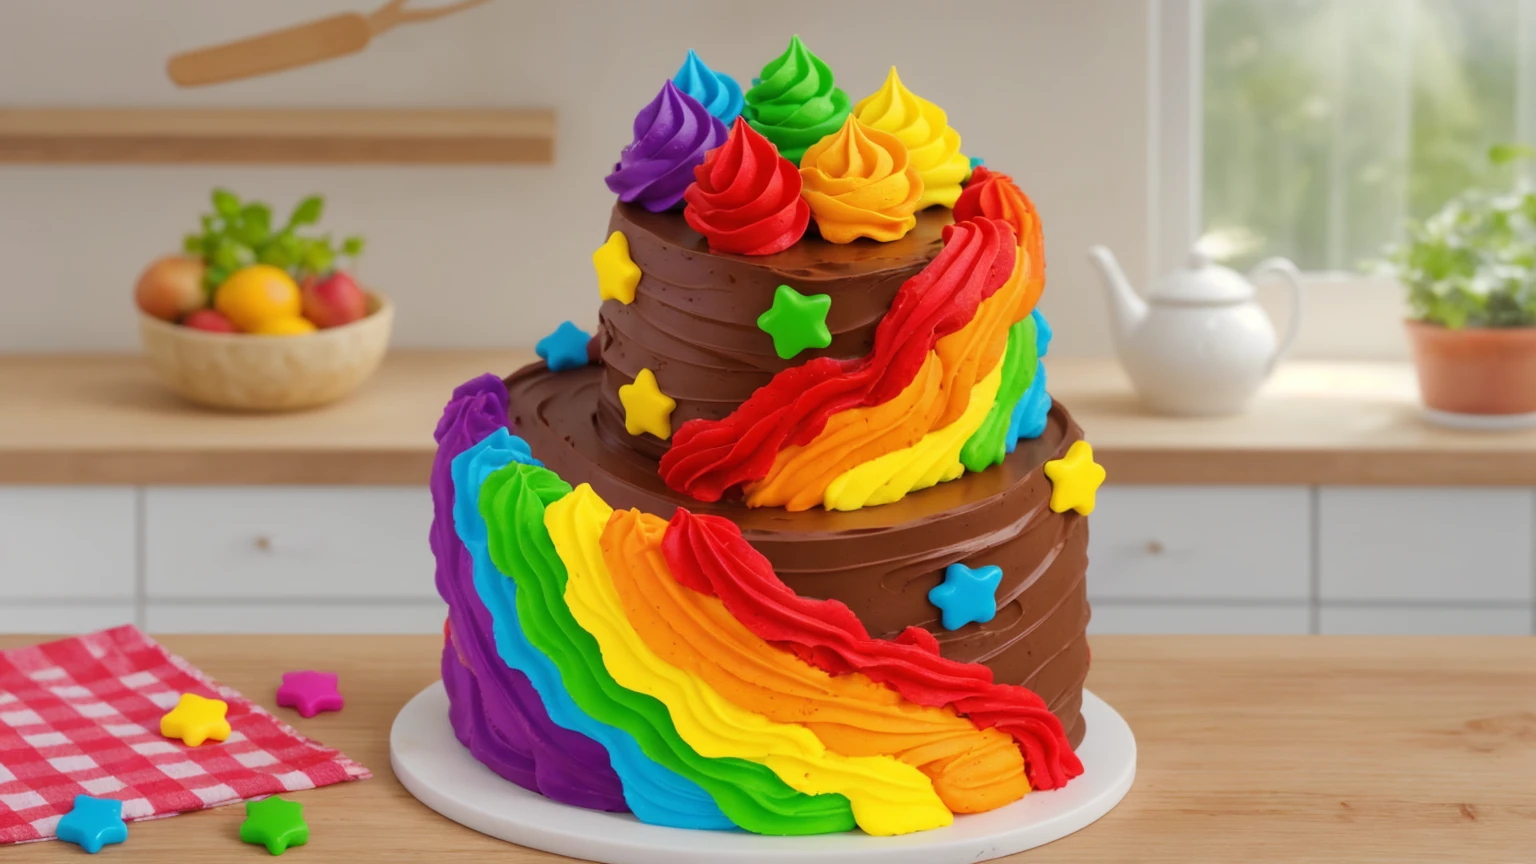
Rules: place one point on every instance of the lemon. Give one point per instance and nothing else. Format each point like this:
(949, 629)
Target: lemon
(286, 326)
(255, 295)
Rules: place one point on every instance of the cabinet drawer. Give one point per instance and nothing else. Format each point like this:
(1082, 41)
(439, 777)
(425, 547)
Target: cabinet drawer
(1457, 544)
(1288, 618)
(1408, 621)
(63, 618)
(424, 616)
(67, 542)
(266, 542)
(1200, 542)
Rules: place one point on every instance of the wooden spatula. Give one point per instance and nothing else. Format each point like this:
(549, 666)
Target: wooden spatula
(299, 45)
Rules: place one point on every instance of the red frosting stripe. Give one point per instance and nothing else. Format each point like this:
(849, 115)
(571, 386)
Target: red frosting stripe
(995, 195)
(709, 555)
(745, 198)
(708, 457)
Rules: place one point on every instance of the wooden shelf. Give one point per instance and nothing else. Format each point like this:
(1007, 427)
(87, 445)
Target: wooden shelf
(307, 136)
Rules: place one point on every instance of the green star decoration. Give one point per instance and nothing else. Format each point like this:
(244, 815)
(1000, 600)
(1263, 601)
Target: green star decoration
(275, 824)
(796, 322)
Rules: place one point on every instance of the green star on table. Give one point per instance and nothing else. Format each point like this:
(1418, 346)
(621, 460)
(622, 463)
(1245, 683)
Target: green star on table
(275, 824)
(796, 322)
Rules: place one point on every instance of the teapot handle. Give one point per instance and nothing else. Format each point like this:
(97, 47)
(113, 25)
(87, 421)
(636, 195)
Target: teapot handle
(1292, 277)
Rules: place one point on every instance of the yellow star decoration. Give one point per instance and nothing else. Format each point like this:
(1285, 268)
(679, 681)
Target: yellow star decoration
(617, 275)
(646, 408)
(195, 720)
(1075, 478)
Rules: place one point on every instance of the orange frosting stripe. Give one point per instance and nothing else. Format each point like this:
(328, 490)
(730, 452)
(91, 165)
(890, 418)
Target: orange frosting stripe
(937, 397)
(972, 770)
(995, 195)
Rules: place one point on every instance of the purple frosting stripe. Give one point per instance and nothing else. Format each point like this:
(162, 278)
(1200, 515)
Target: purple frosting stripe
(494, 709)
(672, 134)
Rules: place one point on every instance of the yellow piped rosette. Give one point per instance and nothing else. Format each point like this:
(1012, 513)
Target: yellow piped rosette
(924, 128)
(887, 796)
(860, 182)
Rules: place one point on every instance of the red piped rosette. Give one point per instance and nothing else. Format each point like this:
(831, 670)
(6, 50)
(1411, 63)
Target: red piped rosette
(995, 195)
(745, 198)
(709, 555)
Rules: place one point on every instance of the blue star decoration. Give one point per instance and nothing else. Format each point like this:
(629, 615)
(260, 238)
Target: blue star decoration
(566, 348)
(967, 595)
(796, 322)
(275, 824)
(93, 823)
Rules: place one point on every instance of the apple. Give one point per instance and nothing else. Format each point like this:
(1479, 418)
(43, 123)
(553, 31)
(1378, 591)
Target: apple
(171, 287)
(210, 321)
(334, 300)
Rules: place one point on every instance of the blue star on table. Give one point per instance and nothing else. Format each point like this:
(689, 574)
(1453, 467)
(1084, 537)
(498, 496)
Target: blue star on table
(796, 322)
(566, 348)
(93, 823)
(967, 595)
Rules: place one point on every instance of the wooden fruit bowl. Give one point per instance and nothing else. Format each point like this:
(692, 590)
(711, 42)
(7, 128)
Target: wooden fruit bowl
(242, 372)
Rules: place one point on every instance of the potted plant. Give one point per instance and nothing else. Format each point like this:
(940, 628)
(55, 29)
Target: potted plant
(1470, 274)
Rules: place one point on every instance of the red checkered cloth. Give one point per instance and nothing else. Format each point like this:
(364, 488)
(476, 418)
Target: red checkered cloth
(83, 715)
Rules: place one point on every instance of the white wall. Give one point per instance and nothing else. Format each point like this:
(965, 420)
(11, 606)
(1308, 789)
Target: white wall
(1051, 91)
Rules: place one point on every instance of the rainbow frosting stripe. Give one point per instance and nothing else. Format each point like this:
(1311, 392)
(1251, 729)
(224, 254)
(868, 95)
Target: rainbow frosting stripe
(622, 661)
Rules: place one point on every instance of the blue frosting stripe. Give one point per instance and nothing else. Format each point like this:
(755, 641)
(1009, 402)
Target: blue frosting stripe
(717, 92)
(1030, 411)
(655, 793)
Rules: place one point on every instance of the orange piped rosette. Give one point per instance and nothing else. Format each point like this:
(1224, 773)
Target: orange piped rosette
(995, 195)
(860, 182)
(745, 198)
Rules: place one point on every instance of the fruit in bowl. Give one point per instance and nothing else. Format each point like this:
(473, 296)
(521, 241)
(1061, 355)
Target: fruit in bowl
(261, 317)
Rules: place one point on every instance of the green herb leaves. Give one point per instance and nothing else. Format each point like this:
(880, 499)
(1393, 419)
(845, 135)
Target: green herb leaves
(240, 233)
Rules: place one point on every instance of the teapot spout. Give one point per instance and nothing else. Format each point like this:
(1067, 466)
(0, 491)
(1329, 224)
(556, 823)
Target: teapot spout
(1125, 305)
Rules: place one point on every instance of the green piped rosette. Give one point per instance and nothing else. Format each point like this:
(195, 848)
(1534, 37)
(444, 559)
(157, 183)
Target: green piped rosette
(795, 102)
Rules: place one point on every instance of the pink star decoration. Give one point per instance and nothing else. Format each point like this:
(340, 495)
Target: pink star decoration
(309, 692)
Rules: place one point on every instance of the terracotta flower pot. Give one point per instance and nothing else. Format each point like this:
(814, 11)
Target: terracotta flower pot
(1471, 371)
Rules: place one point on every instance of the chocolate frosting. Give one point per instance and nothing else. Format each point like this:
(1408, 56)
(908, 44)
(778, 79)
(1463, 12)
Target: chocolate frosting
(694, 319)
(881, 561)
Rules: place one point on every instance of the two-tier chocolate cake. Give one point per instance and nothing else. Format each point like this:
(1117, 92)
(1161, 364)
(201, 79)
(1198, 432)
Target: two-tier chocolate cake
(796, 542)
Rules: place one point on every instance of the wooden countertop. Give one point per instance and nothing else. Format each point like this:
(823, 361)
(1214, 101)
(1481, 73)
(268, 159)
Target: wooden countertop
(105, 419)
(1254, 749)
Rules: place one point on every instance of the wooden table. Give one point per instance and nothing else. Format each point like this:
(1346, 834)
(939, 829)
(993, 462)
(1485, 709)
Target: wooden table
(1253, 749)
(106, 420)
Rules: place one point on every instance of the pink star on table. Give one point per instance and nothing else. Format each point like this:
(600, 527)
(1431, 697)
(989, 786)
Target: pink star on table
(309, 692)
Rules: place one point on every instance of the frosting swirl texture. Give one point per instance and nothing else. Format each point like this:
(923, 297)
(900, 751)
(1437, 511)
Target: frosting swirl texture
(861, 182)
(745, 199)
(924, 128)
(672, 134)
(717, 92)
(994, 195)
(795, 102)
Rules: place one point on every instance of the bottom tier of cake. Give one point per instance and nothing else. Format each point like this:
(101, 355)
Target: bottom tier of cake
(881, 561)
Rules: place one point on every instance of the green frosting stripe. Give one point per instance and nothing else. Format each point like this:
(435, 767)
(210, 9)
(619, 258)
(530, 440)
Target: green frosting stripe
(513, 500)
(795, 102)
(989, 444)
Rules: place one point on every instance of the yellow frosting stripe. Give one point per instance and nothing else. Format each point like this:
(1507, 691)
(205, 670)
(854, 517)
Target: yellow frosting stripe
(887, 796)
(924, 128)
(934, 459)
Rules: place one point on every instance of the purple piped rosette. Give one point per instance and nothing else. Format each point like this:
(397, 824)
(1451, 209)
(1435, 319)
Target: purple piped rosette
(672, 134)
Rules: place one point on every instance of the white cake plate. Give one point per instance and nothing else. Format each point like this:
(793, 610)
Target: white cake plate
(1479, 422)
(439, 771)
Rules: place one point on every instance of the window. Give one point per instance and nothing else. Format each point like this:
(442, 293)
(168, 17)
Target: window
(1325, 124)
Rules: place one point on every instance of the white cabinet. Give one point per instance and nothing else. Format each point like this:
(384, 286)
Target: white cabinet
(1399, 620)
(67, 543)
(297, 617)
(1188, 618)
(63, 618)
(1460, 545)
(276, 542)
(1204, 543)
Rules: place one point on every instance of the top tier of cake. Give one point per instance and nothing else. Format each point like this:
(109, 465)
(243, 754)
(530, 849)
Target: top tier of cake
(694, 318)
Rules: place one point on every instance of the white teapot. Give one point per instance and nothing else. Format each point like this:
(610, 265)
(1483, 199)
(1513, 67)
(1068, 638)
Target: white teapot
(1200, 344)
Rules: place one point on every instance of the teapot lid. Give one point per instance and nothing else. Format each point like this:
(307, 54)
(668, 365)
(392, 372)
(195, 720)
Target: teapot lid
(1202, 282)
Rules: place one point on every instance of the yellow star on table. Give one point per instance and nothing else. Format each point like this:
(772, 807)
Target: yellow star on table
(646, 408)
(195, 720)
(1075, 479)
(617, 275)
